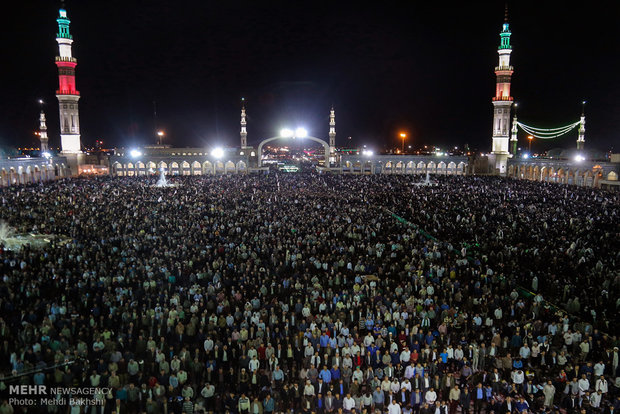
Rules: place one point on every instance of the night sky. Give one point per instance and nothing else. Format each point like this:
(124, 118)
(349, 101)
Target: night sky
(423, 67)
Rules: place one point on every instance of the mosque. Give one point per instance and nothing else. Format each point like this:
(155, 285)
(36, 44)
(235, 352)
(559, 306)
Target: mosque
(571, 167)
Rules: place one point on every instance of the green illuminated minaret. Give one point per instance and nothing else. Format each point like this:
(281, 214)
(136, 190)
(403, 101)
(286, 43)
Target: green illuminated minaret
(502, 101)
(67, 93)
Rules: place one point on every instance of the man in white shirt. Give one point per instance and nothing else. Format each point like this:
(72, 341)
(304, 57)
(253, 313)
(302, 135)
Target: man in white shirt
(431, 396)
(406, 384)
(601, 385)
(584, 385)
(348, 403)
(394, 408)
(405, 356)
(254, 364)
(518, 377)
(410, 371)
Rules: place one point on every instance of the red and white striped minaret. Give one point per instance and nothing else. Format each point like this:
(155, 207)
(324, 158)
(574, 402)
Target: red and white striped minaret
(67, 94)
(502, 101)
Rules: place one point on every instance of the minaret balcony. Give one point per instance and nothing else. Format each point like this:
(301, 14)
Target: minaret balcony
(504, 69)
(503, 98)
(65, 59)
(67, 92)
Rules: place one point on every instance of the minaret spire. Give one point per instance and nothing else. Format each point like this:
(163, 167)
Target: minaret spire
(332, 136)
(581, 140)
(67, 94)
(502, 101)
(513, 135)
(244, 133)
(43, 133)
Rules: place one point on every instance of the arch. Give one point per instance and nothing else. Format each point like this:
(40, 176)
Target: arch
(357, 167)
(229, 167)
(529, 172)
(151, 166)
(536, 173)
(388, 167)
(421, 168)
(315, 139)
(117, 169)
(4, 178)
(612, 176)
(598, 176)
(207, 167)
(511, 171)
(174, 168)
(13, 177)
(196, 168)
(185, 168)
(588, 178)
(451, 168)
(367, 167)
(218, 167)
(242, 167)
(378, 167)
(20, 175)
(431, 167)
(441, 168)
(460, 168)
(561, 176)
(552, 175)
(49, 172)
(578, 180)
(140, 168)
(410, 167)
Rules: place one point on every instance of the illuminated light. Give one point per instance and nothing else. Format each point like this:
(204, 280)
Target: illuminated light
(160, 133)
(368, 153)
(134, 153)
(287, 133)
(526, 156)
(47, 155)
(580, 158)
(301, 133)
(217, 152)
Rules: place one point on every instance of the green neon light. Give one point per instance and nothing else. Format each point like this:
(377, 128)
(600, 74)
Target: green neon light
(505, 37)
(63, 25)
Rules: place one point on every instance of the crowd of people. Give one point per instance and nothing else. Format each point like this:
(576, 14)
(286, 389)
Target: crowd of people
(312, 293)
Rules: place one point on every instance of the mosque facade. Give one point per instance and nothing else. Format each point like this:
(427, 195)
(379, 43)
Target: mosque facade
(502, 159)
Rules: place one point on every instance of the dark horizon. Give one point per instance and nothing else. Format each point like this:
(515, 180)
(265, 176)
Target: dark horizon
(425, 69)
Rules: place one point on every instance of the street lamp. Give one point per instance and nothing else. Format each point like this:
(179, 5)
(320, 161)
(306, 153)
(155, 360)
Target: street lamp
(403, 136)
(160, 135)
(530, 138)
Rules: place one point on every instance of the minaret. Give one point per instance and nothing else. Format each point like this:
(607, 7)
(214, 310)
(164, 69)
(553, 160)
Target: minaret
(43, 134)
(502, 101)
(244, 132)
(581, 140)
(513, 135)
(67, 94)
(332, 135)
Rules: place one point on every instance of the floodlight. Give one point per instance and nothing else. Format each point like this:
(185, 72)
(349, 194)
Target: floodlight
(301, 133)
(217, 152)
